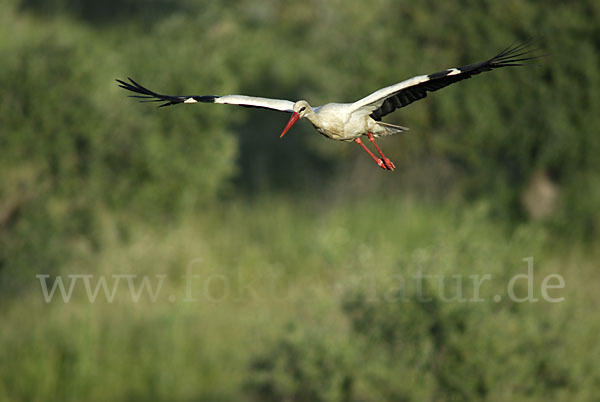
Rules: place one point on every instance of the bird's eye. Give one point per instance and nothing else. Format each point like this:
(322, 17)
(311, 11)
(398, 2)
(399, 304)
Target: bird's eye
(302, 109)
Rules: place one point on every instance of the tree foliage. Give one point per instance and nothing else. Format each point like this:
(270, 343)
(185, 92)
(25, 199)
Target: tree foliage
(76, 152)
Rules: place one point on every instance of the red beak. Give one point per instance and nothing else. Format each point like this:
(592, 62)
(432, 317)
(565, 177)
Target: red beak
(293, 119)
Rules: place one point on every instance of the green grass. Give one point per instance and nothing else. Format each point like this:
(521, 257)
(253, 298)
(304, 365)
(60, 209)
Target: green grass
(296, 300)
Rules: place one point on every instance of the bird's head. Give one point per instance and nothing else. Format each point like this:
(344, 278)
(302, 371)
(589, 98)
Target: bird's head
(301, 108)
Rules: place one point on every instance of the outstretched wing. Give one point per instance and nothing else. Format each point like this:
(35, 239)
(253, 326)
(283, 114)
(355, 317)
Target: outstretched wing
(147, 95)
(387, 100)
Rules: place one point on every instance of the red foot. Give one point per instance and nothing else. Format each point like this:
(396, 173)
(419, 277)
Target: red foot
(384, 163)
(389, 164)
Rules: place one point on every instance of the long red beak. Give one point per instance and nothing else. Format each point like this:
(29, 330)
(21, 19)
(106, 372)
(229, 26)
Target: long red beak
(293, 119)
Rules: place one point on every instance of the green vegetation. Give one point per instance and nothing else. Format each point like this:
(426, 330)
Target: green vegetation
(308, 255)
(313, 313)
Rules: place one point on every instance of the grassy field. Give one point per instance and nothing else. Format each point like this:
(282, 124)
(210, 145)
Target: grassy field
(188, 253)
(305, 300)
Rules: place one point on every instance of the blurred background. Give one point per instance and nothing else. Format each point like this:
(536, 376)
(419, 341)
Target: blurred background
(304, 250)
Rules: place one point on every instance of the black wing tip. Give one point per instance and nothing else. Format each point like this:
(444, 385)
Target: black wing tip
(137, 88)
(517, 53)
(146, 95)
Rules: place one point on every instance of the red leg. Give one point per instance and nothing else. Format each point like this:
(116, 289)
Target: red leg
(376, 159)
(388, 163)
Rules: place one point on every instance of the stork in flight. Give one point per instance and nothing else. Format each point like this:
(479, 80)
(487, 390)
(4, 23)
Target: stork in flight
(350, 121)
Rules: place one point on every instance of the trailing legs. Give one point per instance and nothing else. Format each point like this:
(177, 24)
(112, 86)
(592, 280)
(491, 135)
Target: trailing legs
(382, 162)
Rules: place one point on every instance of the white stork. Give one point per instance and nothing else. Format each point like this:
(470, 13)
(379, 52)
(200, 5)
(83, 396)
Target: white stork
(350, 121)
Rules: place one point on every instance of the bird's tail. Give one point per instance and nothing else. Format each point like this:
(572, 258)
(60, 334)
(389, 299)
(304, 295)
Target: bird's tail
(391, 129)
